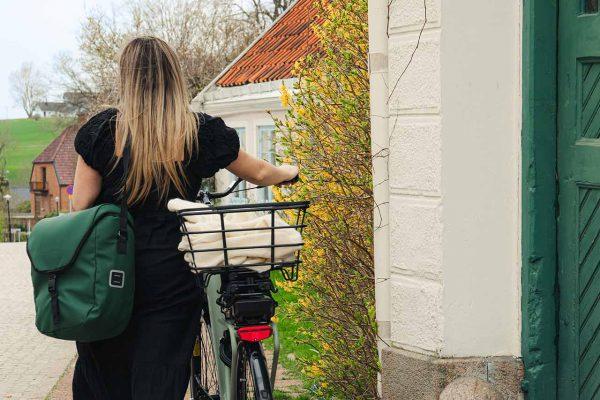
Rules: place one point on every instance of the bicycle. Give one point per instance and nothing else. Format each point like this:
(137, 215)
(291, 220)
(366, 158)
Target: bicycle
(228, 361)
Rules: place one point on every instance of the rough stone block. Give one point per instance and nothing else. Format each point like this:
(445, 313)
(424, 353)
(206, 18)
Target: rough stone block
(414, 79)
(406, 15)
(416, 156)
(416, 237)
(406, 377)
(416, 313)
(411, 376)
(470, 388)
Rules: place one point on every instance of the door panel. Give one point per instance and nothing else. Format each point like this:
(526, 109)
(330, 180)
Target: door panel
(579, 200)
(589, 287)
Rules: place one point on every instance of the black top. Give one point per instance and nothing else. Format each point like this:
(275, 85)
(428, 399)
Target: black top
(95, 142)
(150, 359)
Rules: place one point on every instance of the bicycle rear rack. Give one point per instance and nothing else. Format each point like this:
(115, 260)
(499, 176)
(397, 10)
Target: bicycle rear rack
(246, 298)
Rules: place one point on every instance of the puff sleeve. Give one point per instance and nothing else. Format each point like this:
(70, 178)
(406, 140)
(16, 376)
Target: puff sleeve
(94, 142)
(219, 145)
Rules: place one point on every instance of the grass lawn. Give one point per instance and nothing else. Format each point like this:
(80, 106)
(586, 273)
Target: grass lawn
(26, 138)
(279, 395)
(291, 340)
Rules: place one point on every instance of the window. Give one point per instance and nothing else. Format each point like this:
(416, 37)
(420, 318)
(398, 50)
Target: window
(239, 197)
(266, 151)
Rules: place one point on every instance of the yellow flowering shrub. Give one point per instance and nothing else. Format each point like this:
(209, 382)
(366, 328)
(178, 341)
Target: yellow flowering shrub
(326, 132)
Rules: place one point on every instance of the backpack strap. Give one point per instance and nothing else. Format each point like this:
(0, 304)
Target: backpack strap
(53, 290)
(122, 239)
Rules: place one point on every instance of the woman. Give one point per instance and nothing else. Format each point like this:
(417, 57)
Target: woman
(172, 149)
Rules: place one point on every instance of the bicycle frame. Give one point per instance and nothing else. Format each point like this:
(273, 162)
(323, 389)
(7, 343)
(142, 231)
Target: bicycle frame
(227, 376)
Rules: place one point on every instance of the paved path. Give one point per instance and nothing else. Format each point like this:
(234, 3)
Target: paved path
(285, 383)
(30, 364)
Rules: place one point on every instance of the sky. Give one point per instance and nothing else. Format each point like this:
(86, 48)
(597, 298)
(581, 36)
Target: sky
(36, 31)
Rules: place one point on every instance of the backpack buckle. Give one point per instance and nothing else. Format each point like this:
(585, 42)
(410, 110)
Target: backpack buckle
(52, 283)
(122, 241)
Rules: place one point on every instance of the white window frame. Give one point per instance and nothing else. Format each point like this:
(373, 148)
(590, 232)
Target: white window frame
(265, 194)
(239, 197)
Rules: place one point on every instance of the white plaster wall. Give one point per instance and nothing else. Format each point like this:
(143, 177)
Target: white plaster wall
(481, 113)
(454, 125)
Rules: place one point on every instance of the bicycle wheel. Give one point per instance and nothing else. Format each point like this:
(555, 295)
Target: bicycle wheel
(253, 378)
(204, 384)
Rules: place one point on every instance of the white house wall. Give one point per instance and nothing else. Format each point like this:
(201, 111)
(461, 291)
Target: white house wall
(454, 126)
(481, 120)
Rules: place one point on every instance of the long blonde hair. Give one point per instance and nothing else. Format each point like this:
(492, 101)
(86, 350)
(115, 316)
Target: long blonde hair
(155, 117)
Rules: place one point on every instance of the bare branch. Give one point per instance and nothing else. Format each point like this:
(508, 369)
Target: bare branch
(206, 34)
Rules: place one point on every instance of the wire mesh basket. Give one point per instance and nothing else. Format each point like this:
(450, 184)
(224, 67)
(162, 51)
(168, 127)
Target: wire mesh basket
(215, 243)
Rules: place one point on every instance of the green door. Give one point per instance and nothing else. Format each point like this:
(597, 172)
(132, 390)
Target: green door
(579, 200)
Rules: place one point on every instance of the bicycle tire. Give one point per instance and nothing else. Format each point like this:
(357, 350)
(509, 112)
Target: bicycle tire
(204, 384)
(253, 377)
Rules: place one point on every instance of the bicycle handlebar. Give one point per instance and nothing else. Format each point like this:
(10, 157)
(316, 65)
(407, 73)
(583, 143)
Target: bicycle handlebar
(218, 195)
(227, 192)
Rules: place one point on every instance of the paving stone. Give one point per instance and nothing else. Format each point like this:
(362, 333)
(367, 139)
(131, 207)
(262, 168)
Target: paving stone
(30, 363)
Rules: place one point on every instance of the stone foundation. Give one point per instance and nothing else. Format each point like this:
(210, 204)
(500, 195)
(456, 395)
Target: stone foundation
(411, 376)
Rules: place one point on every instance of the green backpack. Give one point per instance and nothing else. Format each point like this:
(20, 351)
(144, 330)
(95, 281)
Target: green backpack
(82, 268)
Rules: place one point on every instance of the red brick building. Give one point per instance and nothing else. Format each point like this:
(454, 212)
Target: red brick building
(52, 173)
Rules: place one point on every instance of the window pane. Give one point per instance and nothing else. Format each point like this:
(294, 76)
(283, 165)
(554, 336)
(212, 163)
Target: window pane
(590, 6)
(242, 135)
(266, 145)
(266, 151)
(239, 197)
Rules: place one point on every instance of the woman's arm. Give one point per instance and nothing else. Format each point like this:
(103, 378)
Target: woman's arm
(86, 187)
(261, 172)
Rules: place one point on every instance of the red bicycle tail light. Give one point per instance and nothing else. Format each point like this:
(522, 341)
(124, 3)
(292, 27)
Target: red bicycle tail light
(254, 333)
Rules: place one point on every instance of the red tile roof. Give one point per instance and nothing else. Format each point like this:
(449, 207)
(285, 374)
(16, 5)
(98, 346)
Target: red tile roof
(61, 152)
(272, 57)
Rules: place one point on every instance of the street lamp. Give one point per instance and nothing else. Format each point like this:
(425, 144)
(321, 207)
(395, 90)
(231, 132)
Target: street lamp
(7, 198)
(57, 200)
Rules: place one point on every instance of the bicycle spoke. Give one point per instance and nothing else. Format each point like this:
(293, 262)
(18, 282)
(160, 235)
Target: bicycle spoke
(208, 362)
(204, 373)
(246, 386)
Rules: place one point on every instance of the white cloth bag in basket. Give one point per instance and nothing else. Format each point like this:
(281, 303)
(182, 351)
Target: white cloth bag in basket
(242, 220)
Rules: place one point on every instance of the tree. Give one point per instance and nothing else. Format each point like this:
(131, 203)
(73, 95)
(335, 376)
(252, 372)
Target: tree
(326, 132)
(28, 87)
(206, 34)
(262, 13)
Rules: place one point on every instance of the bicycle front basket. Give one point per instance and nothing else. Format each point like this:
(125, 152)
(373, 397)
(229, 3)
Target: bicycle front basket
(259, 237)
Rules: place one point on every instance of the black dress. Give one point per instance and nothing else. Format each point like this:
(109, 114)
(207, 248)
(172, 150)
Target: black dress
(150, 360)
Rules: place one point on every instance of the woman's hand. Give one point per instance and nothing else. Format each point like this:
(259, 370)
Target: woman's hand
(291, 171)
